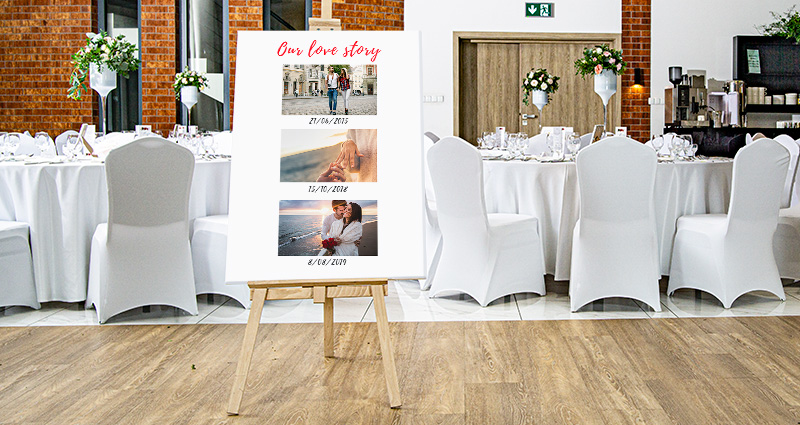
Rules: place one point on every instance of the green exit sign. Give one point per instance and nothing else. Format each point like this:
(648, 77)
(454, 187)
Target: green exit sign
(540, 10)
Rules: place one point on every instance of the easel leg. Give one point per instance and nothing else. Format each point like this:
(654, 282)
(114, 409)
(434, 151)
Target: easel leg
(389, 369)
(248, 344)
(328, 326)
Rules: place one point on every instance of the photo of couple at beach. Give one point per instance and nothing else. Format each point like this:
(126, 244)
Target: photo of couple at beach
(329, 227)
(329, 155)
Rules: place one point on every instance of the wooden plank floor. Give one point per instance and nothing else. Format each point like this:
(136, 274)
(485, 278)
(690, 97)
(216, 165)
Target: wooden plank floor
(682, 371)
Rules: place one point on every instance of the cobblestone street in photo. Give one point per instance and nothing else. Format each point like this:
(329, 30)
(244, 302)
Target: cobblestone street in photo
(318, 105)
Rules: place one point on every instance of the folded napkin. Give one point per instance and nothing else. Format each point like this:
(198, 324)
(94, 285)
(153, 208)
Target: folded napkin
(105, 144)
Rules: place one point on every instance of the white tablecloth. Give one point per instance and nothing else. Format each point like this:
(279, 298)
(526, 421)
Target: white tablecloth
(64, 203)
(549, 191)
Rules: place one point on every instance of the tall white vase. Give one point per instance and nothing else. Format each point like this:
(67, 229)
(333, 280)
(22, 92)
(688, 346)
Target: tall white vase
(539, 98)
(605, 85)
(189, 96)
(102, 81)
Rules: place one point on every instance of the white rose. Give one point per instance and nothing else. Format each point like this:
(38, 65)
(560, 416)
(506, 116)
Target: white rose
(526, 82)
(549, 81)
(534, 83)
(177, 75)
(599, 50)
(530, 75)
(184, 81)
(544, 86)
(96, 38)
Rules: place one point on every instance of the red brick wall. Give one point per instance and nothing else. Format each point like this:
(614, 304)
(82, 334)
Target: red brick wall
(244, 15)
(370, 15)
(636, 51)
(158, 47)
(37, 40)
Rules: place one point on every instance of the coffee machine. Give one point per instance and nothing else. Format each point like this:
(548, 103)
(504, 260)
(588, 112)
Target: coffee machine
(687, 99)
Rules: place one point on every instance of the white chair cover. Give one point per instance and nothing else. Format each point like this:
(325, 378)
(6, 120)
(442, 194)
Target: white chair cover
(26, 145)
(61, 140)
(484, 256)
(786, 243)
(537, 145)
(789, 189)
(142, 255)
(730, 255)
(615, 244)
(209, 250)
(433, 234)
(16, 279)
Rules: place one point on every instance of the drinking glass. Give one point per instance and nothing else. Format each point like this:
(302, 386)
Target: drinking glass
(71, 147)
(523, 143)
(574, 144)
(3, 145)
(12, 142)
(42, 142)
(207, 142)
(693, 150)
(658, 143)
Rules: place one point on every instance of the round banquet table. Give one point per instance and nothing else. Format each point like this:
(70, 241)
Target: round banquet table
(63, 204)
(549, 192)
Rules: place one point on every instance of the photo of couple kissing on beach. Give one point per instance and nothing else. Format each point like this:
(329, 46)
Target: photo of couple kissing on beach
(320, 228)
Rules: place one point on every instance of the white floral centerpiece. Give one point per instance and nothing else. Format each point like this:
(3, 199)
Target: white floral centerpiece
(596, 60)
(538, 79)
(189, 78)
(116, 54)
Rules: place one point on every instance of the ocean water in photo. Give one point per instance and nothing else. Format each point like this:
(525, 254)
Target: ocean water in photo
(300, 234)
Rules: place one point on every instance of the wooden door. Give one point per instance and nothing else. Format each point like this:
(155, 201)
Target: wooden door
(490, 68)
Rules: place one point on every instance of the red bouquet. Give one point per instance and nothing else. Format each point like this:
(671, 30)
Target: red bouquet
(329, 244)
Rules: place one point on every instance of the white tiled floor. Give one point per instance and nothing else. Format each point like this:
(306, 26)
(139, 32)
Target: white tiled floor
(407, 303)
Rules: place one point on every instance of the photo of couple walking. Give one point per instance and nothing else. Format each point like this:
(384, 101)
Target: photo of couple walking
(329, 89)
(337, 228)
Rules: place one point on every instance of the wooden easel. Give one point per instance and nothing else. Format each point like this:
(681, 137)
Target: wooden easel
(326, 22)
(321, 292)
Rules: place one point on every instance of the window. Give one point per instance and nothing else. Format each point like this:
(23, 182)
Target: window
(286, 15)
(204, 48)
(121, 17)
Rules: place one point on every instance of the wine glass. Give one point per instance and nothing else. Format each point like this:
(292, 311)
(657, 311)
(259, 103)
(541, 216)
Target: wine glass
(658, 143)
(71, 147)
(693, 150)
(12, 142)
(3, 145)
(42, 142)
(512, 145)
(573, 144)
(207, 142)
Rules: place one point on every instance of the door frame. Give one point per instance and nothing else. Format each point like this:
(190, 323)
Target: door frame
(615, 40)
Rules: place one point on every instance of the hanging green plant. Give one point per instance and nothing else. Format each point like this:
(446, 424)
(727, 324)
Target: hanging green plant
(115, 53)
(786, 25)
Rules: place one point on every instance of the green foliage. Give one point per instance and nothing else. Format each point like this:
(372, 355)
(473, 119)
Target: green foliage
(786, 25)
(539, 79)
(599, 58)
(189, 78)
(101, 49)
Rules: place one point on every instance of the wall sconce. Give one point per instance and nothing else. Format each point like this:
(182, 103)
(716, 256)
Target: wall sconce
(638, 77)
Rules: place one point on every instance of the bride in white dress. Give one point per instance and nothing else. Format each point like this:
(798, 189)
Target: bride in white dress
(346, 232)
